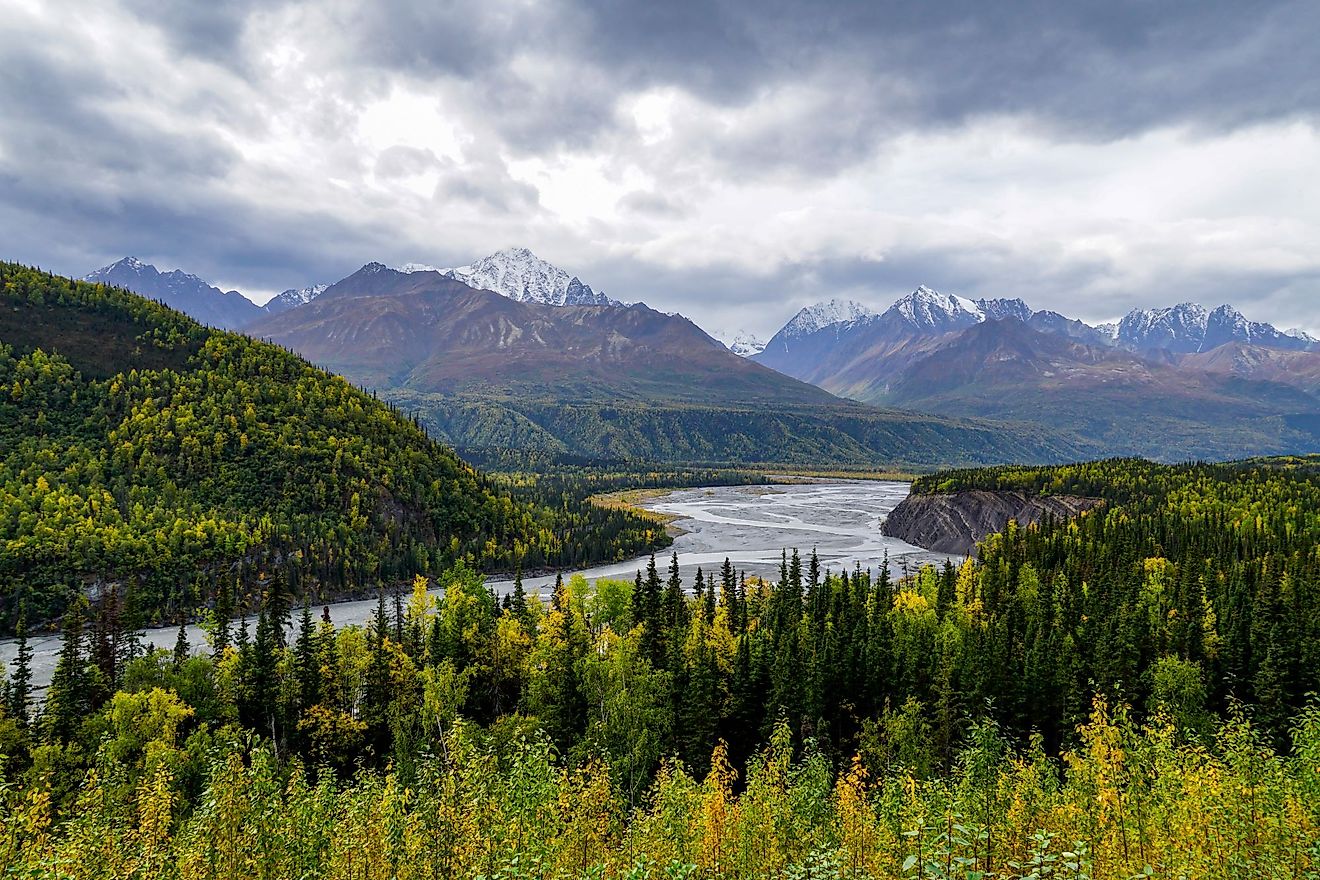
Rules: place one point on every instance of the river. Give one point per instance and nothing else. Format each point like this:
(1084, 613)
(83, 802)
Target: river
(751, 525)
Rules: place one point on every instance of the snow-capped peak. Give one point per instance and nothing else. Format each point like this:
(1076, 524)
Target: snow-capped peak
(928, 309)
(294, 297)
(1299, 333)
(825, 314)
(1190, 327)
(740, 342)
(520, 275)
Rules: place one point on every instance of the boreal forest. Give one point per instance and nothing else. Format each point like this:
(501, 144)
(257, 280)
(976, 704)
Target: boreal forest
(1130, 692)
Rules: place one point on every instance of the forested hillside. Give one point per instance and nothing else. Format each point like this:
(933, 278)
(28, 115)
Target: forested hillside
(150, 460)
(1125, 694)
(731, 435)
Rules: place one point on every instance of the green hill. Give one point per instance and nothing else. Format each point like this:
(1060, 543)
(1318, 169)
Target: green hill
(147, 454)
(839, 434)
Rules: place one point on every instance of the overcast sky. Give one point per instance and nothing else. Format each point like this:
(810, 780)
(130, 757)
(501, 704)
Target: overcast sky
(731, 161)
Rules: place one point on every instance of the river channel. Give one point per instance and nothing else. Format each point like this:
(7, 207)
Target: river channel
(751, 525)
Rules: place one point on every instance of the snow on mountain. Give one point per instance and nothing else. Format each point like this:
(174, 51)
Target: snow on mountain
(521, 275)
(1179, 328)
(293, 298)
(409, 268)
(825, 314)
(1299, 333)
(999, 309)
(740, 342)
(1190, 328)
(927, 309)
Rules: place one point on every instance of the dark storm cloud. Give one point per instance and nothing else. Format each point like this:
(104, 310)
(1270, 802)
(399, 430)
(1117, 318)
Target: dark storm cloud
(502, 195)
(211, 29)
(1088, 70)
(94, 163)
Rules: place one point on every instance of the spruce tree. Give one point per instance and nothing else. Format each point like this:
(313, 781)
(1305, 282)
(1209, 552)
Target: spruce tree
(305, 658)
(674, 608)
(224, 610)
(181, 646)
(519, 602)
(20, 683)
(67, 698)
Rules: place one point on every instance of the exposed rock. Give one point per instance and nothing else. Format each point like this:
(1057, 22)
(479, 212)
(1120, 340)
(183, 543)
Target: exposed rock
(955, 522)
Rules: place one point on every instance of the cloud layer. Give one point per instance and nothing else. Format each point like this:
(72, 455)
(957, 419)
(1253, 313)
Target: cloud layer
(732, 161)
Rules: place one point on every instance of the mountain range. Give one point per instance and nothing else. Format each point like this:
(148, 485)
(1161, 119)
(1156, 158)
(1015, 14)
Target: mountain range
(228, 310)
(426, 331)
(606, 381)
(1166, 383)
(1175, 382)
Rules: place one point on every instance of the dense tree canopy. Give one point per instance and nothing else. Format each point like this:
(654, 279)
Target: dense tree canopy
(143, 450)
(1124, 694)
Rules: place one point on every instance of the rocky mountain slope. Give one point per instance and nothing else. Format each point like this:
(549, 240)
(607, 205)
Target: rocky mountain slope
(427, 332)
(177, 289)
(485, 369)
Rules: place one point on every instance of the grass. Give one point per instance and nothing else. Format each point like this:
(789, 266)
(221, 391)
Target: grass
(632, 499)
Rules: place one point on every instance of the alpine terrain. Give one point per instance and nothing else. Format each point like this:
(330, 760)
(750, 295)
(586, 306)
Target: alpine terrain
(1166, 383)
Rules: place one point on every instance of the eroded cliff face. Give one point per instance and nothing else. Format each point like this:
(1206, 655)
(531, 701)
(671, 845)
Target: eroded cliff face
(954, 522)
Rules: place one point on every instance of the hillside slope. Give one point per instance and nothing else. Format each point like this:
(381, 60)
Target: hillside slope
(1130, 405)
(1171, 384)
(146, 452)
(431, 334)
(607, 381)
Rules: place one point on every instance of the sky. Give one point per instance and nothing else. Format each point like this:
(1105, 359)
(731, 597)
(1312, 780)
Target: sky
(732, 161)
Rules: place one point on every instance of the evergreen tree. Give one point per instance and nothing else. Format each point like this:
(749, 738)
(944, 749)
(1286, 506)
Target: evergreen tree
(20, 683)
(224, 611)
(674, 607)
(519, 603)
(181, 648)
(67, 698)
(306, 660)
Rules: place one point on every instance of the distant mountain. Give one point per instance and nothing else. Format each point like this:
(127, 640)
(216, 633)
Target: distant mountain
(1053, 322)
(1300, 369)
(817, 317)
(850, 350)
(740, 342)
(429, 332)
(487, 370)
(1127, 404)
(291, 299)
(520, 275)
(189, 294)
(929, 311)
(1189, 328)
(1136, 387)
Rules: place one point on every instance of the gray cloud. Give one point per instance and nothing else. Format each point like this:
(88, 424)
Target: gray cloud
(651, 204)
(229, 138)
